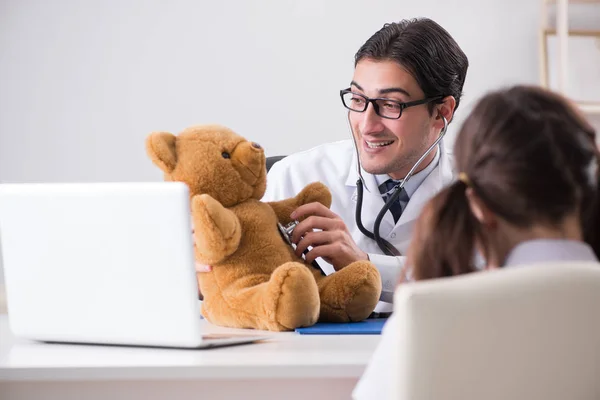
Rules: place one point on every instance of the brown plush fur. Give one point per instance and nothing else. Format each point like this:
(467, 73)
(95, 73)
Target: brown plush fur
(257, 281)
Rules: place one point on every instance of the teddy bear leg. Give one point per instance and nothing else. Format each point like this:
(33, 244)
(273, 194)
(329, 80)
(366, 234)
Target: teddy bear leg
(289, 299)
(349, 294)
(293, 297)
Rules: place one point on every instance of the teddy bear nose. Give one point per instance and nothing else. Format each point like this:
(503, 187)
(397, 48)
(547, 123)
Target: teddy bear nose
(256, 145)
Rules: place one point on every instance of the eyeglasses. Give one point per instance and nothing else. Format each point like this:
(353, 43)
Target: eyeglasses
(385, 108)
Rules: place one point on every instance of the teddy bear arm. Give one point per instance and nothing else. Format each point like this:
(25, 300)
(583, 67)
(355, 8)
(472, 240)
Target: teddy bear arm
(283, 209)
(217, 230)
(313, 192)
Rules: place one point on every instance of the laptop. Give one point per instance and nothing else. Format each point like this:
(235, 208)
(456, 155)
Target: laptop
(103, 263)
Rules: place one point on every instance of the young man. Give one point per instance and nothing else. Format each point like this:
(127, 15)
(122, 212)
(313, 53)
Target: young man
(407, 83)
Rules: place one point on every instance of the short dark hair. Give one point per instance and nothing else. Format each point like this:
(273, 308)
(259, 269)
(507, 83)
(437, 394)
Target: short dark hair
(531, 157)
(426, 50)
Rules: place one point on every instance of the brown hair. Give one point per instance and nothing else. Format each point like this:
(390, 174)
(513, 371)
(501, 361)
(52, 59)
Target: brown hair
(531, 158)
(426, 50)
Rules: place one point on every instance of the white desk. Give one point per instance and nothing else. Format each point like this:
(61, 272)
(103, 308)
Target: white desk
(290, 366)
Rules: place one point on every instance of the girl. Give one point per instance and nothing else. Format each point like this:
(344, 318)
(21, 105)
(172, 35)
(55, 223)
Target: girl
(528, 191)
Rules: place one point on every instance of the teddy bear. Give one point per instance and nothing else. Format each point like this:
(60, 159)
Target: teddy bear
(257, 281)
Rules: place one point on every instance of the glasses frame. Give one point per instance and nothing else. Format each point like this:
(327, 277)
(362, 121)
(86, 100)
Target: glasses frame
(373, 101)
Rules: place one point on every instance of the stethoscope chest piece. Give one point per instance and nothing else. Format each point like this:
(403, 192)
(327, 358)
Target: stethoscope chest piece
(286, 233)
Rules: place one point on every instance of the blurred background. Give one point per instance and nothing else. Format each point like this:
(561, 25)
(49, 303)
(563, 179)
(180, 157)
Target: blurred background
(82, 83)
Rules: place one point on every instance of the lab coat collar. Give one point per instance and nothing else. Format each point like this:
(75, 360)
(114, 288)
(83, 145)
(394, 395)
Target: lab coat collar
(444, 170)
(441, 176)
(372, 201)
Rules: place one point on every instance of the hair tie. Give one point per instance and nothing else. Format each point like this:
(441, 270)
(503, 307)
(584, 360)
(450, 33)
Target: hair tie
(464, 178)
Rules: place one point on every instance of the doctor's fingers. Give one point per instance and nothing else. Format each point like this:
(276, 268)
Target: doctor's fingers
(203, 267)
(318, 238)
(315, 222)
(314, 208)
(333, 253)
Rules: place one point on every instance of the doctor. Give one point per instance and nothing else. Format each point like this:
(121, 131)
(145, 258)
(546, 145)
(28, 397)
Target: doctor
(407, 84)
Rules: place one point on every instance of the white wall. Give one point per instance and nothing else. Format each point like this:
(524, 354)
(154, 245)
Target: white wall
(82, 83)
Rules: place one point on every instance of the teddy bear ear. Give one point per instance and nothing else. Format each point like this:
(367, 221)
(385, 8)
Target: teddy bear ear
(160, 147)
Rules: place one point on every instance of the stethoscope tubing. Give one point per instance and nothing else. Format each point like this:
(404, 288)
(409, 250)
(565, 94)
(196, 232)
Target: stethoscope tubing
(384, 245)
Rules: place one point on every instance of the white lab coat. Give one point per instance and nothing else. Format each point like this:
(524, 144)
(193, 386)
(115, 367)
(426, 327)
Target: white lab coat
(335, 165)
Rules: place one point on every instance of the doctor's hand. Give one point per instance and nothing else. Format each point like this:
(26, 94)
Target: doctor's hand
(203, 267)
(200, 268)
(332, 240)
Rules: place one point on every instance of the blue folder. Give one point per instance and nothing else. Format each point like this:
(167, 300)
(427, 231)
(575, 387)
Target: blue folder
(366, 327)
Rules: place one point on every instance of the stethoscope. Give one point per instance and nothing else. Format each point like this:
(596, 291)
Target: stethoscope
(384, 245)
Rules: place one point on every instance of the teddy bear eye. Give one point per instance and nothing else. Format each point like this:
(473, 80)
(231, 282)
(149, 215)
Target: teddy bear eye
(225, 154)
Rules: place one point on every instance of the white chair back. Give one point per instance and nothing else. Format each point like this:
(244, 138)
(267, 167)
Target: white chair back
(531, 332)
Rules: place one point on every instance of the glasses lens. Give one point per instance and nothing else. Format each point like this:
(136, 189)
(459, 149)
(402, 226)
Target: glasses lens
(389, 109)
(354, 101)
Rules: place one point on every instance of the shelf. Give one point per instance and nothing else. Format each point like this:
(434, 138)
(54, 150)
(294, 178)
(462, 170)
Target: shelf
(576, 1)
(575, 32)
(564, 41)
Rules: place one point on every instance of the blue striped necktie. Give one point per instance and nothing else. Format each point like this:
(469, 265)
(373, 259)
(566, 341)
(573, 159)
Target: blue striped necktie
(387, 190)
